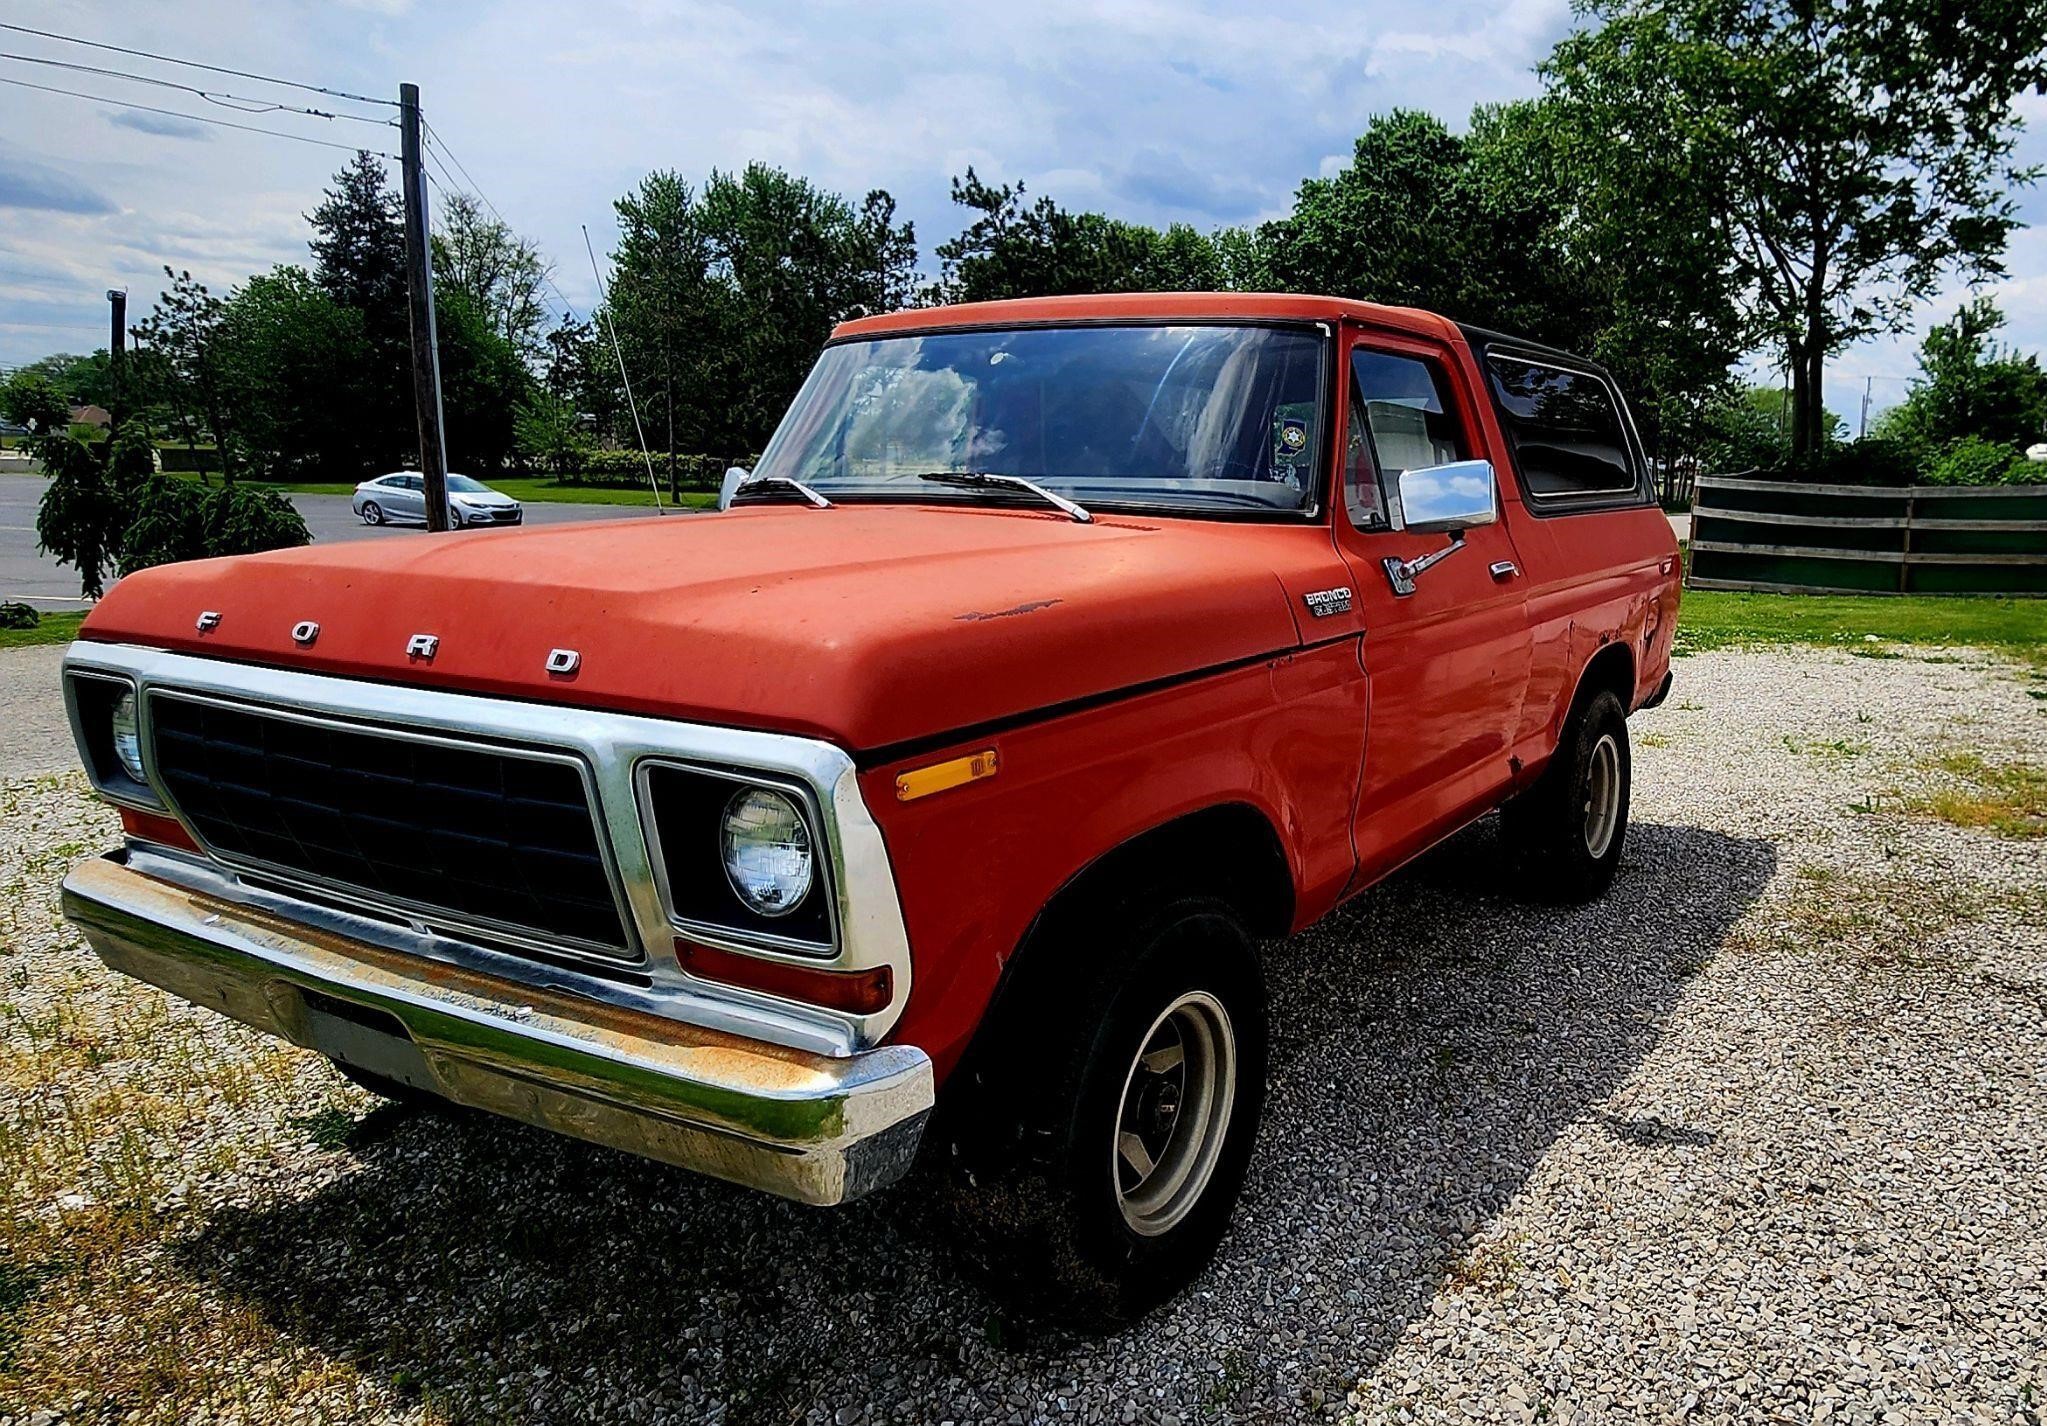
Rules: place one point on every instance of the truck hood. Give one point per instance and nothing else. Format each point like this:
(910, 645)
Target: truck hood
(868, 625)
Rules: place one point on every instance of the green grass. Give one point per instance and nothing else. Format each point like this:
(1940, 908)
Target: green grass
(1716, 619)
(538, 488)
(531, 489)
(54, 629)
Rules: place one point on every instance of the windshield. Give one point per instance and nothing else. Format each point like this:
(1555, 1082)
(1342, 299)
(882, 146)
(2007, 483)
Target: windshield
(1205, 418)
(463, 485)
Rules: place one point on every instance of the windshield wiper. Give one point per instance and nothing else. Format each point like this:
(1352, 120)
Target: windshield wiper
(781, 482)
(984, 480)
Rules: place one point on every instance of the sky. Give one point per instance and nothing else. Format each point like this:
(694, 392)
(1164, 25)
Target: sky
(1205, 113)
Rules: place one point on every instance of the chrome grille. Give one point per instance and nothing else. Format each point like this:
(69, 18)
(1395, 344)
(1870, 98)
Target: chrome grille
(468, 833)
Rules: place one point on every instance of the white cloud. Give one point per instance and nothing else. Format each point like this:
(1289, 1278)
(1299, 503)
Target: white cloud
(1159, 110)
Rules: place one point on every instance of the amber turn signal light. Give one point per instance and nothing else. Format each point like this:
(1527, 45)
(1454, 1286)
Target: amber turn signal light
(155, 827)
(857, 992)
(940, 777)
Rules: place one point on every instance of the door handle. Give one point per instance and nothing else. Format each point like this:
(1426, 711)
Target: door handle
(1503, 569)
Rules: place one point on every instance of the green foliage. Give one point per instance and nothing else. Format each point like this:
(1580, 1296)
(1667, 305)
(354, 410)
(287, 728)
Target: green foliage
(788, 261)
(185, 364)
(663, 310)
(303, 372)
(1970, 387)
(1975, 461)
(1835, 158)
(177, 520)
(1873, 460)
(546, 435)
(1014, 249)
(625, 469)
(482, 383)
(500, 274)
(16, 615)
(31, 398)
(1743, 430)
(358, 248)
(79, 380)
(86, 507)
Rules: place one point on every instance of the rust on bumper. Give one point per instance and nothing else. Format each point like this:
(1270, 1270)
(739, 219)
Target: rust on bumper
(815, 1128)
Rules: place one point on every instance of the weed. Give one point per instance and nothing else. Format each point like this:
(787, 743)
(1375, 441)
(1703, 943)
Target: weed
(2008, 799)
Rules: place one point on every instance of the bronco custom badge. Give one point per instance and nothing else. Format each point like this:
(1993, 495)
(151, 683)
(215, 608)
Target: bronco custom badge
(1324, 602)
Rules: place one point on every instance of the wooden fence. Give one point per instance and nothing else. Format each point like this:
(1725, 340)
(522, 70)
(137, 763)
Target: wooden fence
(1786, 538)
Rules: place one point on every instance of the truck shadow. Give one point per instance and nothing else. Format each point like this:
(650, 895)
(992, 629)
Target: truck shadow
(1431, 1042)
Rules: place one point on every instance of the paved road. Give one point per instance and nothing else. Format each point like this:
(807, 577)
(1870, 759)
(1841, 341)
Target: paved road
(37, 579)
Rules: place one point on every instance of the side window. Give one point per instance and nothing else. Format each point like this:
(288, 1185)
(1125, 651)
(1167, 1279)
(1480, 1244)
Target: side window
(1566, 429)
(1400, 419)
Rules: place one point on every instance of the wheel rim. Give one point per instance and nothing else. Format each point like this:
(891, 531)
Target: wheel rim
(1602, 796)
(371, 514)
(1174, 1114)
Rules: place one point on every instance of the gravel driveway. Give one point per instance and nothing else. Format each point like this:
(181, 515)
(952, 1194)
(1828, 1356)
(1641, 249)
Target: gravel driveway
(1758, 1137)
(37, 737)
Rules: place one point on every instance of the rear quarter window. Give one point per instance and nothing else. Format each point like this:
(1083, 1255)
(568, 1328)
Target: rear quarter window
(1567, 430)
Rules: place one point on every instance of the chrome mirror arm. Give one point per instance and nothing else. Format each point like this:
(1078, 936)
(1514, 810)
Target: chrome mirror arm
(1401, 573)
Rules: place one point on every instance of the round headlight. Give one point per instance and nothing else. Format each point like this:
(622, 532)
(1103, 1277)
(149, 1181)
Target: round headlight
(127, 736)
(766, 850)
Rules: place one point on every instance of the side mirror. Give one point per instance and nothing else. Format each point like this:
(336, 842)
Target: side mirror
(735, 476)
(1446, 498)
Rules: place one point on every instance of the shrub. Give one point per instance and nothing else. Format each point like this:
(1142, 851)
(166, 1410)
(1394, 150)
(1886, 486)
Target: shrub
(1975, 461)
(178, 520)
(18, 616)
(629, 468)
(87, 503)
(1874, 460)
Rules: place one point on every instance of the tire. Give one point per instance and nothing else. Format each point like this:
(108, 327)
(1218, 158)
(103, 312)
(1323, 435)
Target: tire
(372, 513)
(1100, 1140)
(397, 1091)
(1568, 828)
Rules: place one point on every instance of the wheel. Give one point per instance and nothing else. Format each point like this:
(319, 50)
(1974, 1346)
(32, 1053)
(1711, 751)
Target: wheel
(385, 1087)
(1568, 828)
(1100, 1142)
(372, 513)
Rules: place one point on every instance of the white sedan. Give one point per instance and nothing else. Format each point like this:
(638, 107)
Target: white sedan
(400, 499)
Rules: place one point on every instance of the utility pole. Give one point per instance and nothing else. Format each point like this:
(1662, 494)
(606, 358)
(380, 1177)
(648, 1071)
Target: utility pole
(419, 282)
(1867, 383)
(117, 351)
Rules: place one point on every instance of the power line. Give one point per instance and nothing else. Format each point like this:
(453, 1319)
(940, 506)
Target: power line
(220, 97)
(195, 64)
(436, 145)
(194, 118)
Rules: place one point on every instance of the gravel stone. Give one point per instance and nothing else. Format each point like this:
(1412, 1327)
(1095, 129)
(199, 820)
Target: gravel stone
(1756, 1137)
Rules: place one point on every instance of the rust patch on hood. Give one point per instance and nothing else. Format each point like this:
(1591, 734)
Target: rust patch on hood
(976, 616)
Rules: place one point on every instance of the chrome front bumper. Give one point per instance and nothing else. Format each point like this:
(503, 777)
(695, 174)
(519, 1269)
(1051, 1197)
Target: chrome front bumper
(815, 1128)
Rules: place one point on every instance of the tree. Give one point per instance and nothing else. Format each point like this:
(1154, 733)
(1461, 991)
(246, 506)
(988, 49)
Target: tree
(791, 261)
(1970, 388)
(482, 383)
(190, 366)
(82, 380)
(86, 508)
(171, 520)
(30, 398)
(501, 274)
(1014, 249)
(581, 370)
(1847, 154)
(358, 250)
(302, 372)
(664, 308)
(546, 434)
